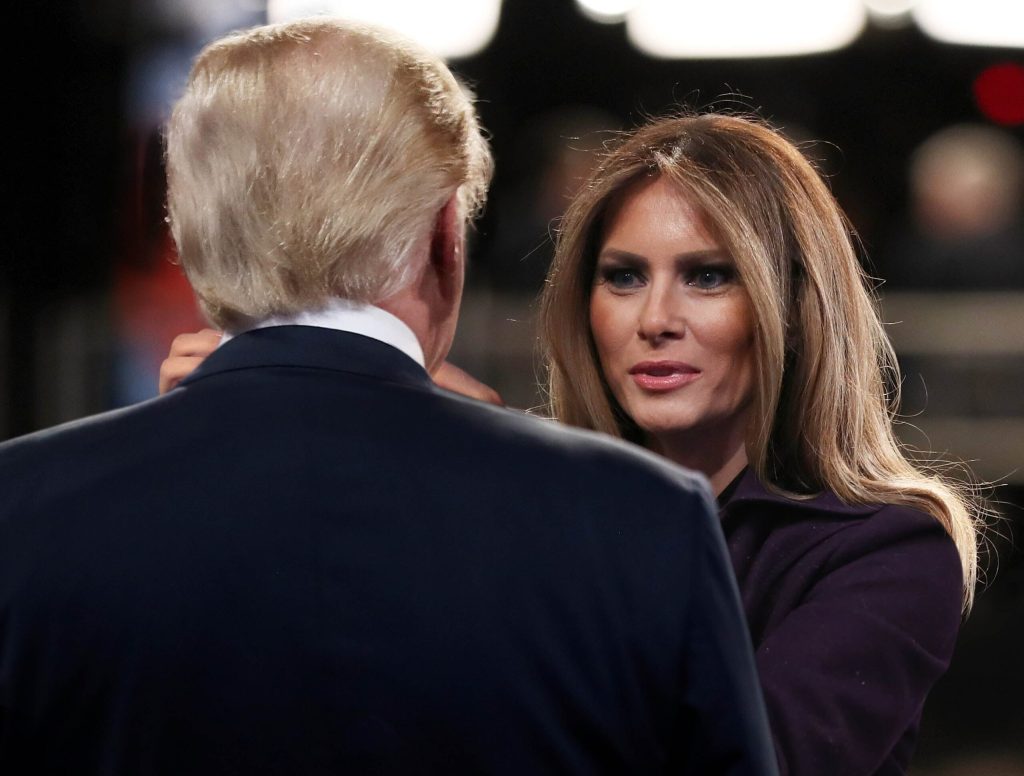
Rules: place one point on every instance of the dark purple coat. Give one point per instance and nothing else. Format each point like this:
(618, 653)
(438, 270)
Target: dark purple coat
(853, 612)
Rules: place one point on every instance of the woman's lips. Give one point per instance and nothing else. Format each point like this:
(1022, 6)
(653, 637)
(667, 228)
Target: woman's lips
(663, 375)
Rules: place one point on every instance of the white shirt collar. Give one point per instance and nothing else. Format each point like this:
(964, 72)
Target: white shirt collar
(344, 315)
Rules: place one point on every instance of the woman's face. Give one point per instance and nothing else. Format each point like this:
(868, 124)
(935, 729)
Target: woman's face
(672, 324)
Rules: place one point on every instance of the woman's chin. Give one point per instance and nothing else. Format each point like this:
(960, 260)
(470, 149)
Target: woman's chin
(697, 438)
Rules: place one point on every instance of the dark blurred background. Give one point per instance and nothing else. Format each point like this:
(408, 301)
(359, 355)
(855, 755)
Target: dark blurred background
(921, 141)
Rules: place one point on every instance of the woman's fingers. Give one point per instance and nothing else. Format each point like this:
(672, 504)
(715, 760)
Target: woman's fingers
(199, 343)
(187, 352)
(451, 378)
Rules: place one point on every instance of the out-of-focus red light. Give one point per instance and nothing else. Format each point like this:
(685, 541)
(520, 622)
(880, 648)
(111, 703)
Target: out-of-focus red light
(999, 92)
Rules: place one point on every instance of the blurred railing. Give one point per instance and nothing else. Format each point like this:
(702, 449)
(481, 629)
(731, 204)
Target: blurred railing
(962, 356)
(496, 343)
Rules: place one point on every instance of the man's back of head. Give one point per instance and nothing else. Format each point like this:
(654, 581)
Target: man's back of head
(306, 161)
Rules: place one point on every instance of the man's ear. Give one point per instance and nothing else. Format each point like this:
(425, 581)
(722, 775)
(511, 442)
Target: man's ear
(446, 246)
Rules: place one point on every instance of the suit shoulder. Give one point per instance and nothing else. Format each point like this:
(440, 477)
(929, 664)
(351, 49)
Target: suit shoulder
(905, 543)
(43, 438)
(896, 523)
(828, 517)
(919, 537)
(606, 463)
(32, 455)
(830, 534)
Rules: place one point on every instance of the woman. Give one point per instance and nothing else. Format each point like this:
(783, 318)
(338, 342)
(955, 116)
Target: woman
(705, 301)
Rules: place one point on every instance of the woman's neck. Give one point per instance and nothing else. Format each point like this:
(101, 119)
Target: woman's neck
(720, 460)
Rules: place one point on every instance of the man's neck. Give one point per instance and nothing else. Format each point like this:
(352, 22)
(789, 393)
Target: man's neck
(344, 315)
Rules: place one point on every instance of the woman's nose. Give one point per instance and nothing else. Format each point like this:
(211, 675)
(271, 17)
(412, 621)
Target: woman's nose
(661, 317)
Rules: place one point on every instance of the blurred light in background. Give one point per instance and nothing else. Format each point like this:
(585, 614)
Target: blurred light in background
(978, 23)
(170, 34)
(743, 28)
(999, 92)
(449, 28)
(890, 13)
(967, 183)
(606, 11)
(206, 19)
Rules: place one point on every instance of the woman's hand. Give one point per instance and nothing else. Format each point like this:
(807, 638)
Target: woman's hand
(187, 352)
(451, 378)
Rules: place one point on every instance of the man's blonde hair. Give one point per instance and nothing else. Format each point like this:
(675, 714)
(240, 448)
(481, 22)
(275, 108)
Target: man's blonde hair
(307, 160)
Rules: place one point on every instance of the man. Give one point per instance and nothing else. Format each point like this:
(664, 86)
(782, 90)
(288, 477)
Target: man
(310, 559)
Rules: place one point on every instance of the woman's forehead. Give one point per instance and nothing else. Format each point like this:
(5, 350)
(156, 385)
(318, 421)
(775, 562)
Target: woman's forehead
(659, 203)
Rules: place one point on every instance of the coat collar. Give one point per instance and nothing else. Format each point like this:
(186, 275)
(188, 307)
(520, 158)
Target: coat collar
(312, 348)
(751, 490)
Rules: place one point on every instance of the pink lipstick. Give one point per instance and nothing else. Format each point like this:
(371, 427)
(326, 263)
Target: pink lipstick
(663, 375)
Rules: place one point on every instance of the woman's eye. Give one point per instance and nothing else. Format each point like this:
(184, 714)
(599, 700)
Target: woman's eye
(621, 277)
(709, 278)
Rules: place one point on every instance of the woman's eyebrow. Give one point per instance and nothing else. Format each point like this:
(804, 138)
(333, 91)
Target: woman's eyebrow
(614, 254)
(709, 254)
(714, 254)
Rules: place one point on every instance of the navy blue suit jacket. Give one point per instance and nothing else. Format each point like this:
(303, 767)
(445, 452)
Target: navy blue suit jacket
(308, 560)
